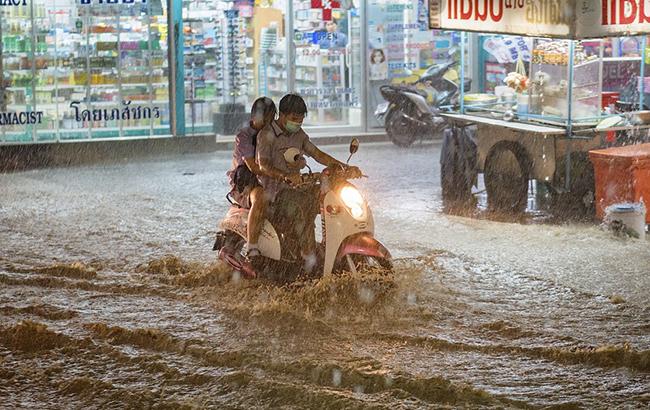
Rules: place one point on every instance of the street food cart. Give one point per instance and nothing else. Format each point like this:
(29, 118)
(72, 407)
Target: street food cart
(556, 111)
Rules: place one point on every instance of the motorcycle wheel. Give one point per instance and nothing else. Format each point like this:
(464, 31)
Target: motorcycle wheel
(399, 129)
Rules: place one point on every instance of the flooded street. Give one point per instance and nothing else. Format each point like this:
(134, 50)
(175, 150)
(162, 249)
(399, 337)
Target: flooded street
(111, 297)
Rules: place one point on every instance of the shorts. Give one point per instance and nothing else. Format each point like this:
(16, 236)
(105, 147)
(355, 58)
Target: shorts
(243, 198)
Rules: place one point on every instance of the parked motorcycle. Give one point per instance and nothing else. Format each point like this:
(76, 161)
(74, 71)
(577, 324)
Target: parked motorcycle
(412, 110)
(347, 231)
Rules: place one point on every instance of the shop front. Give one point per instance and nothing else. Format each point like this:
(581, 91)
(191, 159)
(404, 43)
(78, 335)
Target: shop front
(559, 84)
(76, 70)
(80, 69)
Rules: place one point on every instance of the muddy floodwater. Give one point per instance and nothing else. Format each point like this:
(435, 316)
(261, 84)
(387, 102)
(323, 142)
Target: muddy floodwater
(110, 297)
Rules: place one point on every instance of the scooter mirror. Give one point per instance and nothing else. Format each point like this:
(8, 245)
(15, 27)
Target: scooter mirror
(354, 147)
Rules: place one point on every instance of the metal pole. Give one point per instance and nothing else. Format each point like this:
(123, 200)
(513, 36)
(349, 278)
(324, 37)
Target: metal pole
(569, 128)
(33, 58)
(150, 68)
(59, 123)
(3, 101)
(463, 37)
(86, 28)
(601, 43)
(363, 30)
(644, 42)
(120, 92)
(290, 48)
(3, 105)
(176, 69)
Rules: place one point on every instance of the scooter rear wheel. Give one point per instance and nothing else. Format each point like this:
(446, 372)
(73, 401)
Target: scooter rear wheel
(399, 129)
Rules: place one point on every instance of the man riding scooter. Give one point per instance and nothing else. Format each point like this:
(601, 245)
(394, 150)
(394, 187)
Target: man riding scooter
(279, 138)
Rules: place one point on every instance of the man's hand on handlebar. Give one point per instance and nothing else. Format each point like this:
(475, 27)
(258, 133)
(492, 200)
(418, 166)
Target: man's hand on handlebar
(293, 179)
(353, 172)
(350, 171)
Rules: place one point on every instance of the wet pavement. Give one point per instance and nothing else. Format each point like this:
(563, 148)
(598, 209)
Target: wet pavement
(110, 297)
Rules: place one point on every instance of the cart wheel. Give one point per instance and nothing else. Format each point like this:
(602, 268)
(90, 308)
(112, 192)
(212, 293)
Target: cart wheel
(457, 170)
(507, 170)
(400, 130)
(579, 201)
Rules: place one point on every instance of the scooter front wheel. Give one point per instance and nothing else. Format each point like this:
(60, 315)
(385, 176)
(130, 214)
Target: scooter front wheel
(363, 263)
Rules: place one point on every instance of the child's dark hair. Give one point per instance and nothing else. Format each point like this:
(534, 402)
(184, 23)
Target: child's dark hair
(264, 106)
(293, 104)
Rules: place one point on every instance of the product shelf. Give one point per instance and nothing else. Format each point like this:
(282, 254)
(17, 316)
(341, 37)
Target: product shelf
(67, 64)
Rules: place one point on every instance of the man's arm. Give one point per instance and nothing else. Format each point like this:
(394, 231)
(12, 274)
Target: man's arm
(321, 157)
(329, 161)
(268, 169)
(253, 166)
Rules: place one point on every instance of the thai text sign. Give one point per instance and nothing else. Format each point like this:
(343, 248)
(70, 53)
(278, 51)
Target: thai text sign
(611, 17)
(553, 18)
(526, 17)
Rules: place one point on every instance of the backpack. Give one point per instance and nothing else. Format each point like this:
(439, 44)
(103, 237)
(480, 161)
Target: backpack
(243, 176)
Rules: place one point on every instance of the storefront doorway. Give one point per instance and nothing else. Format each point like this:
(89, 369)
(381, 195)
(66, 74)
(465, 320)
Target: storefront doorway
(235, 52)
(328, 70)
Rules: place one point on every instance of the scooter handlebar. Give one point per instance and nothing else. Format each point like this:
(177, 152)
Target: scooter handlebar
(344, 172)
(315, 177)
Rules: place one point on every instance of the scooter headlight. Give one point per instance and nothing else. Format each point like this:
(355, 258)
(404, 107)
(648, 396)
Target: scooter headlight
(357, 212)
(352, 198)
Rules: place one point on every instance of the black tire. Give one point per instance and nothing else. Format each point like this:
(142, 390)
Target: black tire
(579, 201)
(457, 170)
(507, 172)
(400, 130)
